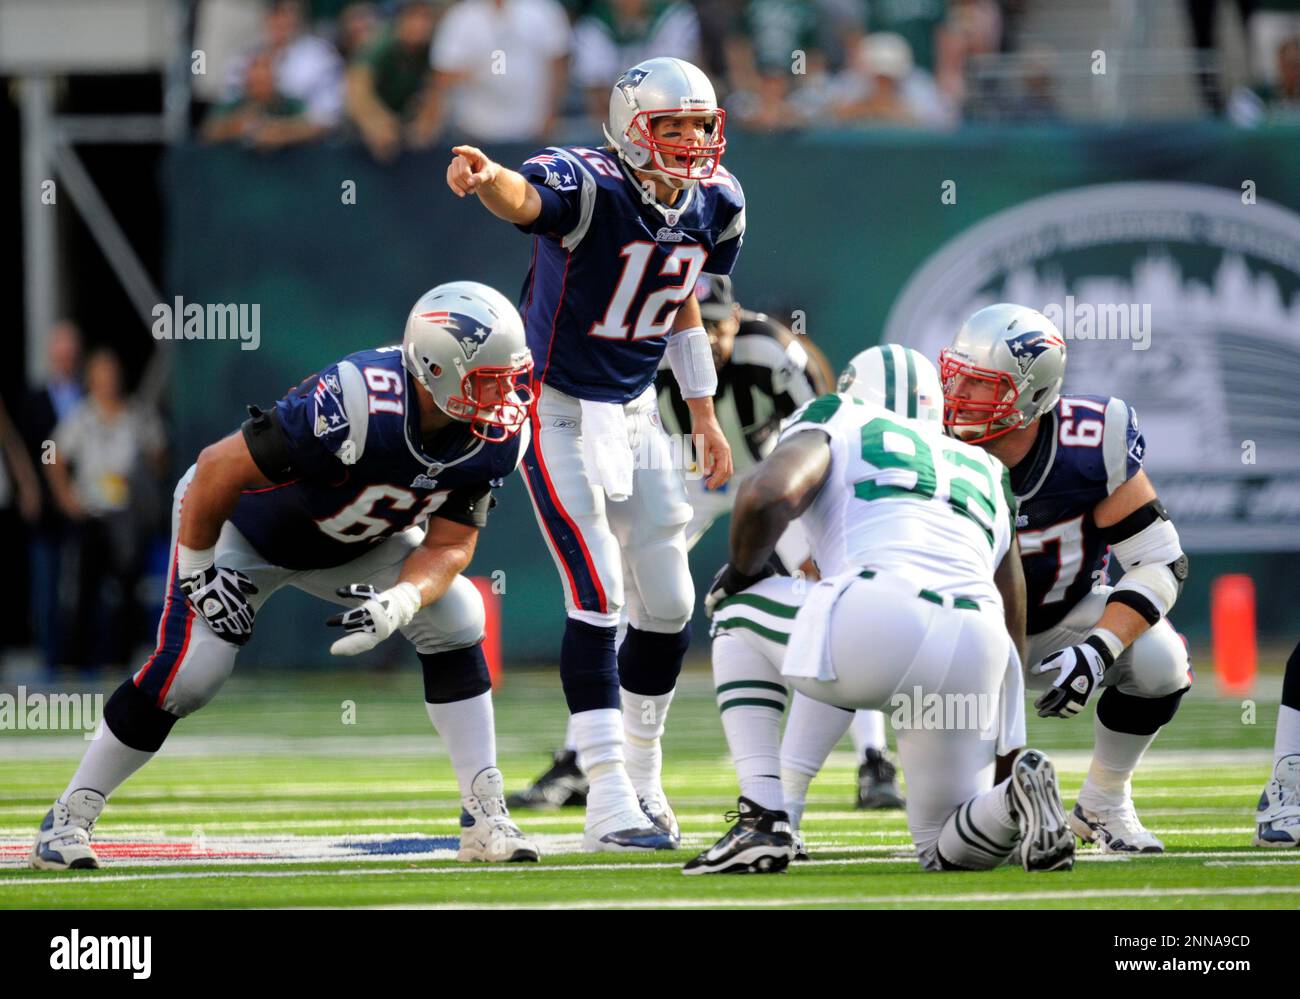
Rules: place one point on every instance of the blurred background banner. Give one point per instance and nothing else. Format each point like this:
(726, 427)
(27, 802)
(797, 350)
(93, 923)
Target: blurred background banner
(1176, 247)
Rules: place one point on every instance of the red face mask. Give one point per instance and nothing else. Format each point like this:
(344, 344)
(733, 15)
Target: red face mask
(962, 412)
(495, 401)
(694, 162)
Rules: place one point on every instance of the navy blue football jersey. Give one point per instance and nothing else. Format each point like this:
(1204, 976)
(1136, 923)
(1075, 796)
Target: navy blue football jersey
(361, 470)
(1087, 447)
(609, 271)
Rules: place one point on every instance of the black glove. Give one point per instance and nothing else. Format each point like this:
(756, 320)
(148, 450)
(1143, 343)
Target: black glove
(729, 581)
(220, 596)
(1079, 670)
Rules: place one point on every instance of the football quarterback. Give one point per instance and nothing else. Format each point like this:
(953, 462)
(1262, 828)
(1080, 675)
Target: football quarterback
(620, 235)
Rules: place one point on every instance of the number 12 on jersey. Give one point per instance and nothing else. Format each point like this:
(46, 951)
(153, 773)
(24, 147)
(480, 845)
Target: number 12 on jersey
(685, 260)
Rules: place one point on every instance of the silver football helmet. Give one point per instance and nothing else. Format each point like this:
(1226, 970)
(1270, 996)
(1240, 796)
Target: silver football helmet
(896, 377)
(651, 89)
(1003, 371)
(464, 342)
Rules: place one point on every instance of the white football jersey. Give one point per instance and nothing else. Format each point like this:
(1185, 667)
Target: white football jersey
(904, 498)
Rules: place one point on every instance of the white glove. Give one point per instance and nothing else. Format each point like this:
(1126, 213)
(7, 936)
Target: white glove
(220, 596)
(379, 616)
(1079, 670)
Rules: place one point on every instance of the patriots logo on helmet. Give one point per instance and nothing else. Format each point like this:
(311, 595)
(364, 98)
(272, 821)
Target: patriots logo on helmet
(1026, 347)
(628, 82)
(469, 333)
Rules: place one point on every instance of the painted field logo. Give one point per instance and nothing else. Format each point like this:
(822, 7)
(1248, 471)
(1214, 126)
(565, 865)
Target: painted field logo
(229, 321)
(1176, 298)
(102, 953)
(40, 712)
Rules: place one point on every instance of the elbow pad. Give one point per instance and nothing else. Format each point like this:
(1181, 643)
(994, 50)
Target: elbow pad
(267, 445)
(691, 359)
(1155, 567)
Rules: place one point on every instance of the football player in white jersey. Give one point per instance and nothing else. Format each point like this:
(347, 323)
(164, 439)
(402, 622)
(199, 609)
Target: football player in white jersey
(921, 598)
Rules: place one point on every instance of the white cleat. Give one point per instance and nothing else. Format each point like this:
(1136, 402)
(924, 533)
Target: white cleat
(616, 823)
(487, 832)
(1115, 830)
(63, 842)
(1045, 840)
(655, 805)
(1277, 817)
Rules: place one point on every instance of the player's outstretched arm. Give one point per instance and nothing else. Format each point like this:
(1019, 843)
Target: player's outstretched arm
(779, 490)
(505, 193)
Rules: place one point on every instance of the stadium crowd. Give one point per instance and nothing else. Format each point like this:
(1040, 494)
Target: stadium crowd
(402, 73)
(397, 75)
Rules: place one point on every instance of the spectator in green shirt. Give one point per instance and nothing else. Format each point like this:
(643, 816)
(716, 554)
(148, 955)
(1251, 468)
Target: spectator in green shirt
(389, 84)
(261, 116)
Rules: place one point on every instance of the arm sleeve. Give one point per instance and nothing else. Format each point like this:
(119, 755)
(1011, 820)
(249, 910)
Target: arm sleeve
(468, 505)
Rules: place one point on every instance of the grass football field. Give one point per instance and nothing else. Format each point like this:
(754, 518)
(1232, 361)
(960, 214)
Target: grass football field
(270, 797)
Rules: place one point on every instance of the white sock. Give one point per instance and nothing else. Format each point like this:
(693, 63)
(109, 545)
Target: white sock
(868, 731)
(643, 727)
(794, 789)
(467, 730)
(1115, 756)
(107, 764)
(751, 699)
(1287, 739)
(570, 740)
(981, 833)
(598, 738)
(810, 734)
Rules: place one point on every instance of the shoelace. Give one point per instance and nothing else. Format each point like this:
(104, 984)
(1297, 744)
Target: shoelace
(1288, 796)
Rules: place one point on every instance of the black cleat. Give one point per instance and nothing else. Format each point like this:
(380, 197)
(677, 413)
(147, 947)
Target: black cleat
(564, 785)
(878, 783)
(1046, 841)
(760, 842)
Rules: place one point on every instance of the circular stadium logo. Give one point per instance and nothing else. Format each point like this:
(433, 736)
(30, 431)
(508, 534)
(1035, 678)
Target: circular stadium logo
(1181, 299)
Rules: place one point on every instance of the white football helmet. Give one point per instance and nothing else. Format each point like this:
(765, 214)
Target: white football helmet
(464, 342)
(896, 377)
(658, 87)
(1003, 371)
